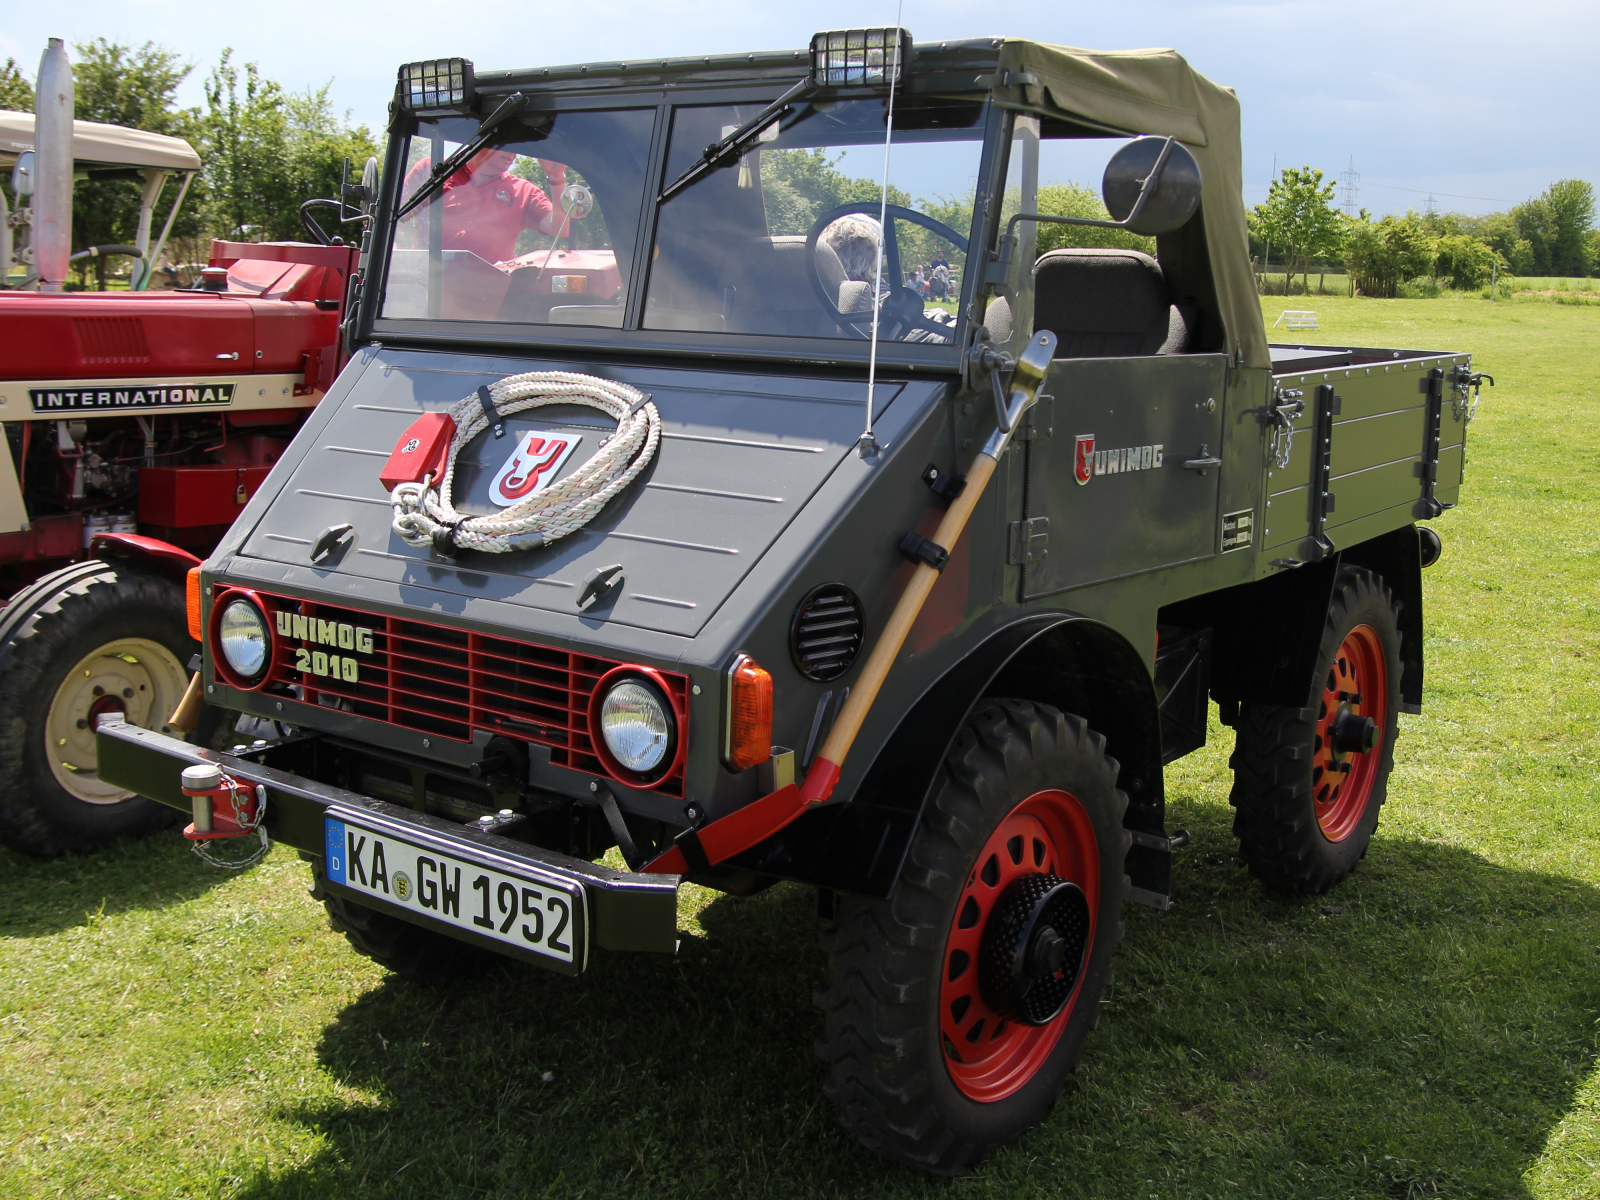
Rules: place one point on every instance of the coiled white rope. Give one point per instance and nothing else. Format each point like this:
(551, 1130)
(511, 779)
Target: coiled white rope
(425, 516)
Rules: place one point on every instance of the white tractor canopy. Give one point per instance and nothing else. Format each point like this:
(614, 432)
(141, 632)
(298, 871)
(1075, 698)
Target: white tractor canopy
(95, 145)
(100, 147)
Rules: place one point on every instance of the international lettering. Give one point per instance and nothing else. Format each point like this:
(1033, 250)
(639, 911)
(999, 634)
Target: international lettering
(130, 396)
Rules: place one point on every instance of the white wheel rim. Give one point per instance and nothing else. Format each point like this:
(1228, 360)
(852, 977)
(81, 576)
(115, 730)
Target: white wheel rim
(142, 678)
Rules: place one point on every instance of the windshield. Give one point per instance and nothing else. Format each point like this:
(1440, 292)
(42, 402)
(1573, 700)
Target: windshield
(785, 240)
(538, 227)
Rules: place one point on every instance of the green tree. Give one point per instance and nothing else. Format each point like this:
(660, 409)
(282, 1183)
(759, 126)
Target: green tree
(16, 89)
(1299, 216)
(1569, 204)
(1465, 261)
(247, 148)
(266, 150)
(135, 88)
(1501, 232)
(798, 186)
(1380, 254)
(319, 142)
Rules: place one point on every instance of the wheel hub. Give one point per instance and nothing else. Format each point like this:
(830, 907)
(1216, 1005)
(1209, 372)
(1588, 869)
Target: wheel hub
(1352, 732)
(1351, 717)
(137, 677)
(992, 1051)
(1033, 948)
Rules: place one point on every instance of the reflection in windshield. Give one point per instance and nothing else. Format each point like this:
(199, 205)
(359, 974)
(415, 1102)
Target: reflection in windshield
(786, 240)
(538, 228)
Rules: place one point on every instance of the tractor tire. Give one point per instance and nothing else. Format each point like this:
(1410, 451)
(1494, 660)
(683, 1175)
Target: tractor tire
(91, 638)
(415, 954)
(955, 1010)
(1308, 782)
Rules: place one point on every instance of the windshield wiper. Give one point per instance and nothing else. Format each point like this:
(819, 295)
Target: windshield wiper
(719, 154)
(508, 107)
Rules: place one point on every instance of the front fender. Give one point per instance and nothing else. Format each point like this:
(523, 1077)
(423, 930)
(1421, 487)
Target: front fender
(1069, 661)
(153, 552)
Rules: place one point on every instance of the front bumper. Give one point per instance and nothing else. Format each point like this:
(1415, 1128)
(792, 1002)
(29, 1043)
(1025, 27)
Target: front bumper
(625, 911)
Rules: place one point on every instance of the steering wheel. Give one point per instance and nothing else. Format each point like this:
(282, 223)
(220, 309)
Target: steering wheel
(902, 309)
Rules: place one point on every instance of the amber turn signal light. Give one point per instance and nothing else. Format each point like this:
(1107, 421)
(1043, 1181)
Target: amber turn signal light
(191, 595)
(749, 715)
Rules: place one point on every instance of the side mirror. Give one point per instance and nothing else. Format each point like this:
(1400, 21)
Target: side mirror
(22, 174)
(1168, 201)
(369, 186)
(1151, 186)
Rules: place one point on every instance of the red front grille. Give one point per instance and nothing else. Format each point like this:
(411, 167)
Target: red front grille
(447, 682)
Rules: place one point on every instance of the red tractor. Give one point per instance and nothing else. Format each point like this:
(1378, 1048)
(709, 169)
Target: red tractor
(137, 424)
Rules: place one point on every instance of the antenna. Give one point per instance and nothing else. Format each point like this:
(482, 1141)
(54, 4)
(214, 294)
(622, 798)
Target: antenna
(867, 446)
(1350, 185)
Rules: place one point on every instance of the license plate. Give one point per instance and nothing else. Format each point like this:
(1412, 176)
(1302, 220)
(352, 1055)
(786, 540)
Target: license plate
(437, 879)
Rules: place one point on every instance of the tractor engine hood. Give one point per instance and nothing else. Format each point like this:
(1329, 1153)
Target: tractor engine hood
(741, 454)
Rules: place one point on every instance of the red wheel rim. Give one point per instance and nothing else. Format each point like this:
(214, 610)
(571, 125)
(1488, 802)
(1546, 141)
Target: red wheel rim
(1357, 686)
(988, 1055)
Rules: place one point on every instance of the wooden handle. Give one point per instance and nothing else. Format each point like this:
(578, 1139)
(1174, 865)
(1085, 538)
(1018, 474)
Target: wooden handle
(883, 655)
(187, 715)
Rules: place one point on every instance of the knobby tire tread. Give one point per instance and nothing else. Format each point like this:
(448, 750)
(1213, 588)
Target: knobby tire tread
(1275, 820)
(416, 954)
(50, 620)
(885, 956)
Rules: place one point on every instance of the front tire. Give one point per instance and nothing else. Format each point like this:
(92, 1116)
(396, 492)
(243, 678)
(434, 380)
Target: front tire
(415, 954)
(89, 639)
(1308, 782)
(954, 1011)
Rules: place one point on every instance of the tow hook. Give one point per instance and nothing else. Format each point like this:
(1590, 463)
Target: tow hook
(223, 807)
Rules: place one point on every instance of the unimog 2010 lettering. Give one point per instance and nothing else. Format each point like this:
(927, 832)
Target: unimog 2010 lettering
(767, 525)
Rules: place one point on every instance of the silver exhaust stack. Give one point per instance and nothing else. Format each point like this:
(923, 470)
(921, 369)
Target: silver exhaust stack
(53, 106)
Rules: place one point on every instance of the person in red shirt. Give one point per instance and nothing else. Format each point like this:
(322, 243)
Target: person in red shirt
(486, 207)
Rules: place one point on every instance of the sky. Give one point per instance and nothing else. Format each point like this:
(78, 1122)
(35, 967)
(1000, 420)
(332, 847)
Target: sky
(1479, 104)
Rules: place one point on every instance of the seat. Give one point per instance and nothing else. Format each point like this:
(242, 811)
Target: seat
(1107, 303)
(774, 294)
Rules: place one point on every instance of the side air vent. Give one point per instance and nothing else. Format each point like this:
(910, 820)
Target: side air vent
(826, 636)
(111, 340)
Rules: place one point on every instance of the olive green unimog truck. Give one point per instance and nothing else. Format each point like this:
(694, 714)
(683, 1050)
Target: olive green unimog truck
(680, 499)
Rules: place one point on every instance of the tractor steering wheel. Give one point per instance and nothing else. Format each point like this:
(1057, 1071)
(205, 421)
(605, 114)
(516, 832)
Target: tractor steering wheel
(901, 310)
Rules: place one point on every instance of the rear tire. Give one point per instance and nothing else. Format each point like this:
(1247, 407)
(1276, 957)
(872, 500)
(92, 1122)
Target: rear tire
(1305, 808)
(1026, 806)
(91, 638)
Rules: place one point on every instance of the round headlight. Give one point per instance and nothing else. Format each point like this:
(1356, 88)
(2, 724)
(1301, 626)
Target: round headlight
(243, 635)
(636, 724)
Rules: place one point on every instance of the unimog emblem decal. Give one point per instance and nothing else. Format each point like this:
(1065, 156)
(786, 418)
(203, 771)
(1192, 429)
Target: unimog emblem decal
(1090, 462)
(533, 466)
(1083, 466)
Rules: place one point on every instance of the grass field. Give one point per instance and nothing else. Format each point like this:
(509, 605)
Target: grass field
(1429, 1029)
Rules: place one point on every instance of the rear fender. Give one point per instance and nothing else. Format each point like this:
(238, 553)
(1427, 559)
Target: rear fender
(1073, 663)
(1397, 556)
(1266, 634)
(153, 552)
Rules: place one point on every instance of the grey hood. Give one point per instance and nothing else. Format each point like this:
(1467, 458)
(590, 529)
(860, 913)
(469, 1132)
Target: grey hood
(740, 456)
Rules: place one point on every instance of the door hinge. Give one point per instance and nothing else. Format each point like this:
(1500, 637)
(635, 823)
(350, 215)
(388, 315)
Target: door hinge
(1027, 541)
(1041, 420)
